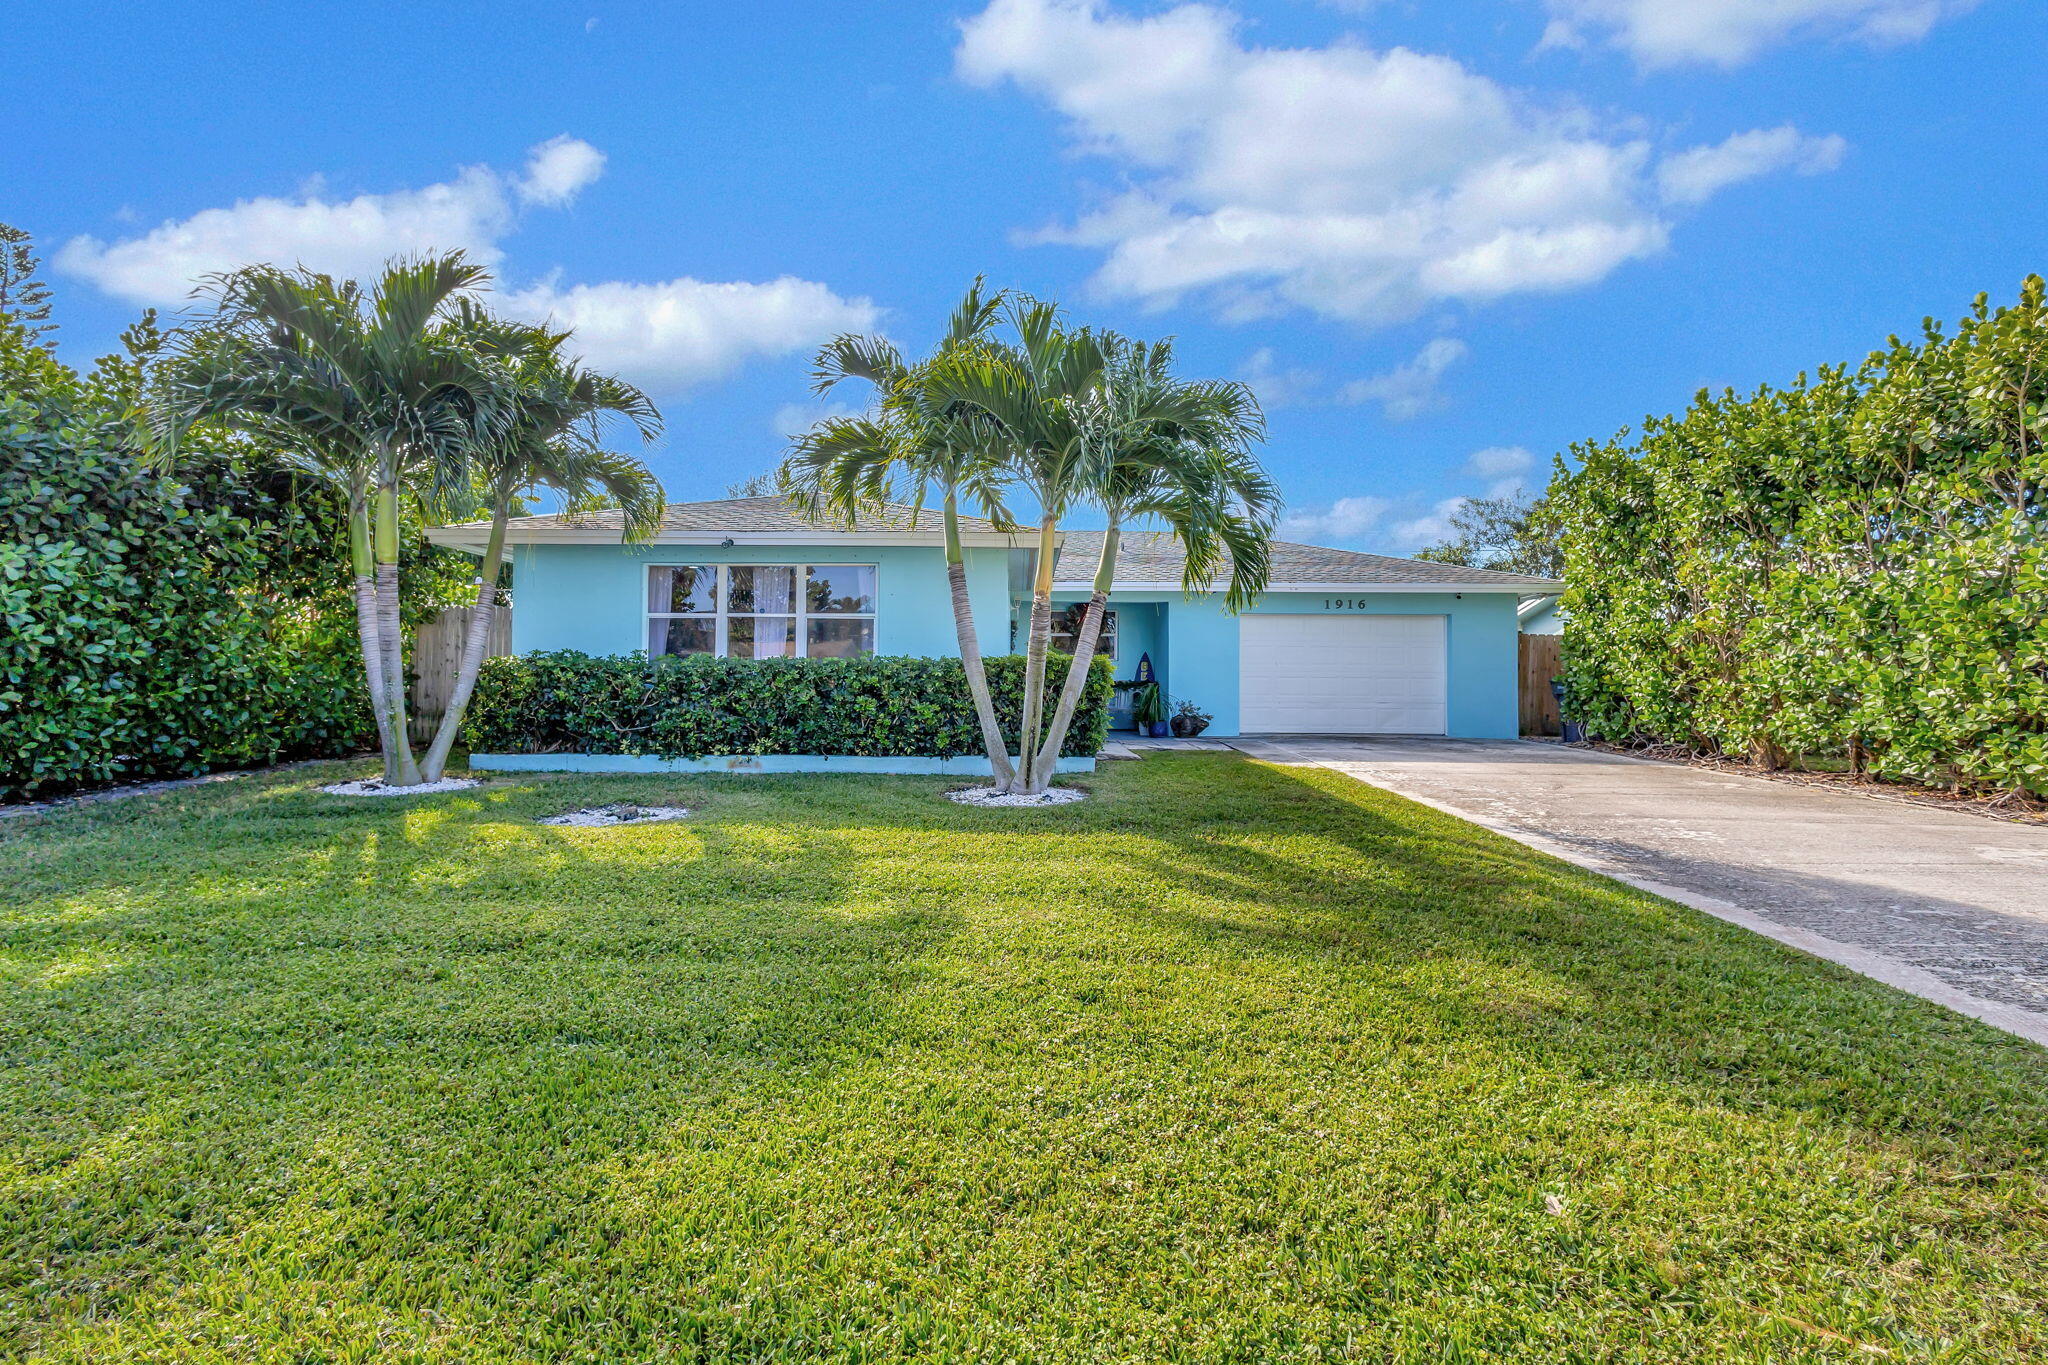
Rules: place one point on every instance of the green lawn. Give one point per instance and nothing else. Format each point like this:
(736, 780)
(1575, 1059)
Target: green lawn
(1233, 1062)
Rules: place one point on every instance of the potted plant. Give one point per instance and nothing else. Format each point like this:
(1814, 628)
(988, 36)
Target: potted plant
(1148, 710)
(1189, 720)
(1122, 704)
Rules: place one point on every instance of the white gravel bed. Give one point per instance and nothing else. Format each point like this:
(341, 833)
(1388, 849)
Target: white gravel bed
(621, 813)
(375, 786)
(990, 796)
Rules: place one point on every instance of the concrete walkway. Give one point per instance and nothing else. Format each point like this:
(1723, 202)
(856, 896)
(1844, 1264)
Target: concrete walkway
(1950, 907)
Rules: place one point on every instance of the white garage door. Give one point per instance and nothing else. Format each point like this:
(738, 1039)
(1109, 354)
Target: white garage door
(1341, 675)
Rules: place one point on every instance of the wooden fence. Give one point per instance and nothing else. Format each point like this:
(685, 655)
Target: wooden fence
(1540, 663)
(436, 658)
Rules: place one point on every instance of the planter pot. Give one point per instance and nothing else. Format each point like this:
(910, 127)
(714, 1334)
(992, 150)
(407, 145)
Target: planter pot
(1188, 729)
(1157, 729)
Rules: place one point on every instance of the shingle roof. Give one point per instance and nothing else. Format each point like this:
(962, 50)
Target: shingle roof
(1156, 557)
(763, 514)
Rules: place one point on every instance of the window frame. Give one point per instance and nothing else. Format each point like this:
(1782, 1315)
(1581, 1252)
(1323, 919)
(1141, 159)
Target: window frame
(1109, 630)
(721, 613)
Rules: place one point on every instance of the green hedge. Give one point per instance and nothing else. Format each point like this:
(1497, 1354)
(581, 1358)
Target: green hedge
(1854, 567)
(138, 637)
(695, 706)
(153, 626)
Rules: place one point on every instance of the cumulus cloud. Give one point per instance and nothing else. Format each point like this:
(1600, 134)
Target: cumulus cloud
(1277, 385)
(560, 169)
(1728, 32)
(673, 332)
(1352, 182)
(1504, 467)
(686, 331)
(1431, 528)
(1699, 173)
(342, 237)
(793, 419)
(1411, 389)
(1407, 523)
(1344, 519)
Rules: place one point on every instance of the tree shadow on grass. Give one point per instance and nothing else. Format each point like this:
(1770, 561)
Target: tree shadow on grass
(1573, 975)
(1228, 1045)
(363, 1040)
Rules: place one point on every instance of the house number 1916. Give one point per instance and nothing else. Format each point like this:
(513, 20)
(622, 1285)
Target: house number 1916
(1344, 604)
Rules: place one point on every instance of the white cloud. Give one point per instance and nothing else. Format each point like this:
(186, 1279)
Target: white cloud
(793, 419)
(1699, 173)
(1351, 182)
(1410, 389)
(342, 237)
(674, 332)
(560, 169)
(1505, 466)
(1276, 385)
(1432, 528)
(1344, 519)
(686, 331)
(1405, 524)
(1727, 32)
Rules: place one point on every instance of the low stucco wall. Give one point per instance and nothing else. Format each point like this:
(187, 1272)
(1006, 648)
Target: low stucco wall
(764, 764)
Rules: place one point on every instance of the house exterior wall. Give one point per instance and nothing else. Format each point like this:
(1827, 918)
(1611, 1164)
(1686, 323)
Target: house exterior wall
(594, 597)
(1196, 650)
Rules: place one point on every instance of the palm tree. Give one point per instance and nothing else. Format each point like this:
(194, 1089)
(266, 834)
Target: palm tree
(846, 465)
(1093, 418)
(1033, 396)
(550, 438)
(372, 392)
(1177, 451)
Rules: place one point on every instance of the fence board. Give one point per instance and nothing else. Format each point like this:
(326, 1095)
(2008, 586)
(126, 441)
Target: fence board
(437, 657)
(1540, 663)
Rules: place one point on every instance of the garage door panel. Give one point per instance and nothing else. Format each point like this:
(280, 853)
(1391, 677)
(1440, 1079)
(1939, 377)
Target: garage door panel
(1362, 674)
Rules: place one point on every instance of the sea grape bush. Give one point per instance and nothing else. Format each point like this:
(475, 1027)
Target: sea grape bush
(140, 631)
(157, 625)
(562, 701)
(1855, 566)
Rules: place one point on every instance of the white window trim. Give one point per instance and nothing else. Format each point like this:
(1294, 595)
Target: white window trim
(721, 614)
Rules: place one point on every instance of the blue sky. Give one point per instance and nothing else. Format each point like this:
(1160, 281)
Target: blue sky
(1443, 240)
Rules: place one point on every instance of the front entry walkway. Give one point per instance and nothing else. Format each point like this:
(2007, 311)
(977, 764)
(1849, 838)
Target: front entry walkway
(1948, 906)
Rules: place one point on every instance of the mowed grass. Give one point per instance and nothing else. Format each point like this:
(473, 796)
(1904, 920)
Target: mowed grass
(1233, 1062)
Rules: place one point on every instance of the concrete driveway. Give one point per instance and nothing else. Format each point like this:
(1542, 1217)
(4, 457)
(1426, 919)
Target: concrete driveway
(1948, 906)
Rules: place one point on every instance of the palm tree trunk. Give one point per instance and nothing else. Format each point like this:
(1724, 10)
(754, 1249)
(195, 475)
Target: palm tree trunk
(970, 650)
(475, 641)
(368, 636)
(1037, 642)
(399, 767)
(1079, 670)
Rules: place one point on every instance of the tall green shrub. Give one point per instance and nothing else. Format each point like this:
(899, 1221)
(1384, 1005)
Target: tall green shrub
(136, 640)
(154, 626)
(696, 706)
(1854, 566)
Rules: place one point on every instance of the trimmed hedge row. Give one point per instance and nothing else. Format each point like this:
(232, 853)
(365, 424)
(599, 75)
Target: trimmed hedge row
(1855, 567)
(696, 706)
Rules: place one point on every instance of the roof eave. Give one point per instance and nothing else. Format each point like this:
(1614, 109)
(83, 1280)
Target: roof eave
(1520, 589)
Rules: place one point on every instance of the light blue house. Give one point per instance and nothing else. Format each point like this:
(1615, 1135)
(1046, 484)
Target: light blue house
(1341, 643)
(1540, 616)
